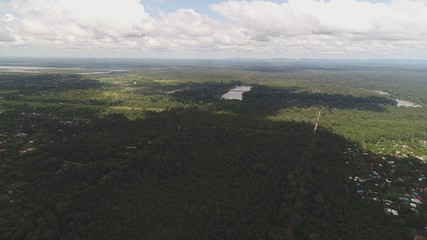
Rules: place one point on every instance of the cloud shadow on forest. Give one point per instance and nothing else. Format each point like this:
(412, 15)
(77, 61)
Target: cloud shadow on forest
(189, 165)
(266, 100)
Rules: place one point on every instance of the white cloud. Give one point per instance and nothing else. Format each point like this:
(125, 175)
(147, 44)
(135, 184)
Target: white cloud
(187, 29)
(353, 27)
(5, 37)
(112, 24)
(266, 17)
(301, 28)
(76, 23)
(9, 18)
(300, 17)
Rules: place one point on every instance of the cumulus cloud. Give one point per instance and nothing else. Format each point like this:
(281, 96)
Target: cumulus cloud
(186, 28)
(300, 17)
(266, 17)
(113, 24)
(8, 18)
(4, 37)
(304, 28)
(345, 23)
(74, 22)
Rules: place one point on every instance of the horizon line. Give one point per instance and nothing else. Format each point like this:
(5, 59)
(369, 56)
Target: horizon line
(224, 58)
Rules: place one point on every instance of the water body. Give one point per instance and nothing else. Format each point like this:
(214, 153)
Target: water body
(104, 72)
(17, 69)
(382, 93)
(403, 103)
(400, 103)
(236, 93)
(23, 69)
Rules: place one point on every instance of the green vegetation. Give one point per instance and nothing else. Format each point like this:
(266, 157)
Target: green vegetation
(155, 153)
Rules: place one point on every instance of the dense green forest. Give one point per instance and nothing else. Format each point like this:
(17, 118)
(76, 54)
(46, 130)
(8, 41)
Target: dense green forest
(155, 153)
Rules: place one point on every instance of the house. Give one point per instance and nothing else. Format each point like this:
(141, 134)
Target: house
(21, 135)
(390, 162)
(27, 150)
(389, 211)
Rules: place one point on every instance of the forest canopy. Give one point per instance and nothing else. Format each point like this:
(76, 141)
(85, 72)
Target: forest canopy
(154, 152)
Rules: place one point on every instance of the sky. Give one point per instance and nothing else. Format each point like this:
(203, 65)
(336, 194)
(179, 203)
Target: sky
(334, 29)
